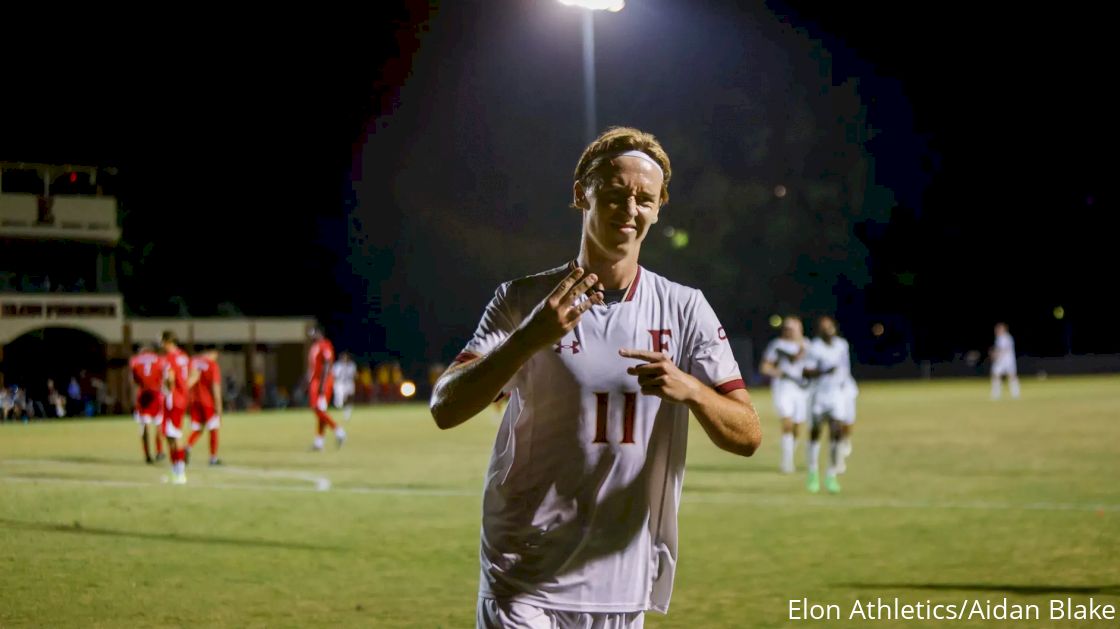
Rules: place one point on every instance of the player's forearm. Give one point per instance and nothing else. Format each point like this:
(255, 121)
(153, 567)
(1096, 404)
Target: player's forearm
(730, 420)
(465, 390)
(770, 370)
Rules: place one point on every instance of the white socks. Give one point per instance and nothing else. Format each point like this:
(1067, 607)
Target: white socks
(178, 468)
(813, 455)
(339, 433)
(318, 443)
(788, 443)
(1014, 385)
(347, 411)
(843, 449)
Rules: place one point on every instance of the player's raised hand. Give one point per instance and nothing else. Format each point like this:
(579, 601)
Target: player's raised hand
(560, 311)
(660, 376)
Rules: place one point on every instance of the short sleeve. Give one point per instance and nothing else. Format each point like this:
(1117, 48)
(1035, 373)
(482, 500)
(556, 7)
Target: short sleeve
(496, 326)
(711, 360)
(771, 353)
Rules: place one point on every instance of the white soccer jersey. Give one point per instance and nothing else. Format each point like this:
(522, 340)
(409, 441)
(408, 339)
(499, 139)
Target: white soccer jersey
(834, 392)
(344, 373)
(788, 356)
(789, 392)
(1004, 360)
(835, 356)
(580, 499)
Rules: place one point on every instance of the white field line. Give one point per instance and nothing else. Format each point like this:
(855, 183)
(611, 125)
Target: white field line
(826, 502)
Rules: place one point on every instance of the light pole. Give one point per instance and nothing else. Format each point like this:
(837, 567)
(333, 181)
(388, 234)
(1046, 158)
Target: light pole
(589, 7)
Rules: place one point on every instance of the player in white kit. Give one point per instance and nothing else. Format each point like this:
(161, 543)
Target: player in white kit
(1003, 363)
(603, 360)
(344, 372)
(784, 362)
(833, 402)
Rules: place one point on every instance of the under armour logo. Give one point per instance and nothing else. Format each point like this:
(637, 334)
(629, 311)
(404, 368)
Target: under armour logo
(574, 346)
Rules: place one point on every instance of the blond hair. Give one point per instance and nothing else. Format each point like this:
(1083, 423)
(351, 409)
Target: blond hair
(617, 140)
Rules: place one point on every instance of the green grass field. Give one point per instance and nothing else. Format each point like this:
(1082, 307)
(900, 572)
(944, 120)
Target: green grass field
(948, 496)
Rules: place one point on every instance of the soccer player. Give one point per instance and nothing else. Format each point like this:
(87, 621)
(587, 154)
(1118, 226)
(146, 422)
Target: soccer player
(833, 403)
(1003, 363)
(344, 372)
(319, 361)
(205, 382)
(176, 374)
(603, 360)
(146, 368)
(784, 363)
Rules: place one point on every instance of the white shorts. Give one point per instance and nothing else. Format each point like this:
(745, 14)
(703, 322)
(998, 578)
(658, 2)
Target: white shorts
(838, 404)
(493, 614)
(213, 423)
(341, 392)
(147, 420)
(790, 401)
(1003, 368)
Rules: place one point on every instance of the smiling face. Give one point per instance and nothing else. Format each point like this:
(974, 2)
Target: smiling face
(620, 203)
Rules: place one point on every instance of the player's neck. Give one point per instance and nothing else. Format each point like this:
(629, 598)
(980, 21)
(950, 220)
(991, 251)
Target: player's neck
(614, 274)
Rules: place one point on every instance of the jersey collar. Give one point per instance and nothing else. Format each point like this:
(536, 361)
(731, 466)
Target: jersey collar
(631, 291)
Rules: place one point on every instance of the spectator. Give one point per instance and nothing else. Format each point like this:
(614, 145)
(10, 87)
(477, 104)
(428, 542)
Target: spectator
(74, 392)
(232, 393)
(19, 408)
(55, 401)
(6, 404)
(101, 399)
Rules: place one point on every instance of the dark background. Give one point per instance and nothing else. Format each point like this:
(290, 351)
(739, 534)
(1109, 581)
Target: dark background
(383, 169)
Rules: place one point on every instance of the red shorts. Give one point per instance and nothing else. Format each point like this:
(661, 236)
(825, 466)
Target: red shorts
(203, 414)
(173, 422)
(149, 407)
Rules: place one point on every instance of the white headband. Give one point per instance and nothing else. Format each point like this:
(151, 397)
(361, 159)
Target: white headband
(639, 155)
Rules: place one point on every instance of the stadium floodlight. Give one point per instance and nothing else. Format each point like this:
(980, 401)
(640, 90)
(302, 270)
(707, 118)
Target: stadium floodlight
(590, 6)
(614, 6)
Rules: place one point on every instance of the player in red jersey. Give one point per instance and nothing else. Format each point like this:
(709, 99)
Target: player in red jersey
(146, 368)
(320, 384)
(177, 372)
(205, 382)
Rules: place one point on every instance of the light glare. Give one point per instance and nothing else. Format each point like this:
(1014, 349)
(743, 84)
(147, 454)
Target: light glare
(597, 5)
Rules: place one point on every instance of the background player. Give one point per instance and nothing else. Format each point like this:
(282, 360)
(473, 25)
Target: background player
(833, 402)
(1003, 363)
(784, 363)
(320, 359)
(147, 368)
(176, 373)
(205, 384)
(344, 373)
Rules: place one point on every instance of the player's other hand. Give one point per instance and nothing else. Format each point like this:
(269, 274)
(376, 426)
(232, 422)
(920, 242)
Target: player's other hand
(321, 403)
(560, 311)
(660, 376)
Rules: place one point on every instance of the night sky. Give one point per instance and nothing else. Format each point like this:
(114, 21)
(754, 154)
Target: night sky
(385, 170)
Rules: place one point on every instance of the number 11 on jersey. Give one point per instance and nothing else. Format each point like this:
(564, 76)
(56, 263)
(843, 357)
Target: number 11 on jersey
(602, 410)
